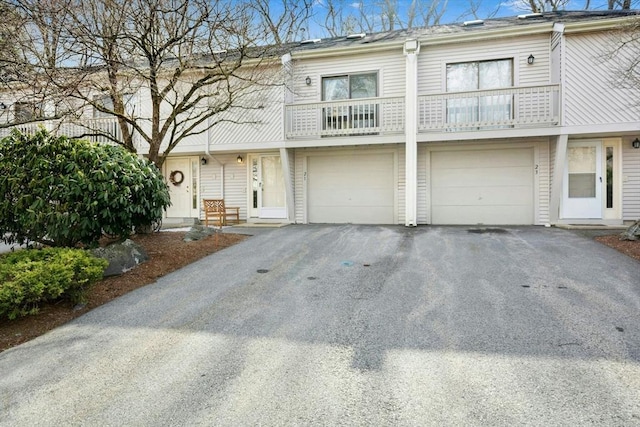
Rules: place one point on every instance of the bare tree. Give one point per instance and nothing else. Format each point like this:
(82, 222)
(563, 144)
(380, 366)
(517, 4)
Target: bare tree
(341, 17)
(167, 70)
(282, 21)
(539, 6)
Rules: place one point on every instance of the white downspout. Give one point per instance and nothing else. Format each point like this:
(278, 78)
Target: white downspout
(411, 50)
(208, 154)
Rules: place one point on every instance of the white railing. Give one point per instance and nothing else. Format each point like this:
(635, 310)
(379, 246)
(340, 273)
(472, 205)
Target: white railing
(517, 107)
(342, 118)
(101, 130)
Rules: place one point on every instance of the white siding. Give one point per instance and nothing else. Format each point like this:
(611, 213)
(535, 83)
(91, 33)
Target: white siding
(423, 208)
(262, 124)
(389, 65)
(235, 182)
(544, 182)
(631, 182)
(432, 60)
(591, 95)
(402, 183)
(300, 202)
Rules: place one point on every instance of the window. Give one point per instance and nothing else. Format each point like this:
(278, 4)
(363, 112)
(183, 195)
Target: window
(26, 111)
(102, 101)
(351, 115)
(106, 102)
(480, 75)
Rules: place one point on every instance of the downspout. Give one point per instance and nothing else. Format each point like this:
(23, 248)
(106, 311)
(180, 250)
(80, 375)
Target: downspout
(411, 50)
(208, 154)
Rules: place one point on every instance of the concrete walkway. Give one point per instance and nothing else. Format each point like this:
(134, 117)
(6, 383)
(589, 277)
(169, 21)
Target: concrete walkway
(353, 325)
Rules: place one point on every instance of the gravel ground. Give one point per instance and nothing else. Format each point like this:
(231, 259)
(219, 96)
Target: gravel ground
(353, 325)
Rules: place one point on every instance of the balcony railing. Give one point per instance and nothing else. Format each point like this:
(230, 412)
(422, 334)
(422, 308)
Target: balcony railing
(367, 116)
(516, 107)
(100, 130)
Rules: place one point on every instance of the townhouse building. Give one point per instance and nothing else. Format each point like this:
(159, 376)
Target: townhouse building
(513, 120)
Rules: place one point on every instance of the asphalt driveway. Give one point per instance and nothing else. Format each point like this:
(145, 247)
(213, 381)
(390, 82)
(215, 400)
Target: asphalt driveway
(353, 325)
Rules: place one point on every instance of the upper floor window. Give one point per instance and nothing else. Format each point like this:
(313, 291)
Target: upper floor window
(352, 86)
(487, 108)
(26, 111)
(106, 102)
(103, 101)
(351, 115)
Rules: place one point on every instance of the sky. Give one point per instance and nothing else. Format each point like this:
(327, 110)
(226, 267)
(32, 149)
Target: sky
(457, 10)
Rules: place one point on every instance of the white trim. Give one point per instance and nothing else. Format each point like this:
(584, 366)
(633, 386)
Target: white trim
(614, 213)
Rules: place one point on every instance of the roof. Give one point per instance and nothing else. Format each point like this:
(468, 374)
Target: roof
(459, 30)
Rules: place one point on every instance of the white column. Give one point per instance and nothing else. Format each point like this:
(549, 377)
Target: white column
(411, 50)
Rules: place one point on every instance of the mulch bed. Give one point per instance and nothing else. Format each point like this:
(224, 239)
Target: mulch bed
(167, 252)
(627, 247)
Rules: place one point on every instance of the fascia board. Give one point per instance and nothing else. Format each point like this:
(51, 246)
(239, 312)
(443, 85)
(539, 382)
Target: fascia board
(427, 40)
(599, 25)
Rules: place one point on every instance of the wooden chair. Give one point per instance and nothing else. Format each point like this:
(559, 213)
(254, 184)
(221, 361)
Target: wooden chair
(218, 213)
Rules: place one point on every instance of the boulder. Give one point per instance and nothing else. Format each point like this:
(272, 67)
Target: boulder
(198, 232)
(122, 256)
(631, 233)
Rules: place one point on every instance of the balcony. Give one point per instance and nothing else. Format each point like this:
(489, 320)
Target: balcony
(100, 130)
(518, 107)
(367, 116)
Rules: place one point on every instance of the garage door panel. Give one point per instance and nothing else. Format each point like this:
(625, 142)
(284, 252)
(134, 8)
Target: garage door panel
(490, 186)
(352, 215)
(492, 158)
(345, 197)
(497, 196)
(487, 215)
(357, 189)
(472, 177)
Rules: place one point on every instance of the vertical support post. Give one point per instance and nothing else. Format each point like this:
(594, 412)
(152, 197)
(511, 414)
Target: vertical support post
(411, 50)
(558, 177)
(288, 184)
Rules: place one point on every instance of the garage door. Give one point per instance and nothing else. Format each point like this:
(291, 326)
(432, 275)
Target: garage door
(482, 186)
(356, 188)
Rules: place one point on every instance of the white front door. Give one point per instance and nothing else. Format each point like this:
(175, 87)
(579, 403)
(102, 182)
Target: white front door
(268, 187)
(582, 185)
(178, 172)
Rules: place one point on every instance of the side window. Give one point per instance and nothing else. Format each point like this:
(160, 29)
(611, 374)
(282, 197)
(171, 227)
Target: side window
(485, 109)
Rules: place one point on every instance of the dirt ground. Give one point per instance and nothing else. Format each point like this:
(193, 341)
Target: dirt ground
(168, 252)
(630, 248)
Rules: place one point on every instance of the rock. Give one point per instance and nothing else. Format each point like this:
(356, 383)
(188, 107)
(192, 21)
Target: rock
(198, 232)
(122, 256)
(631, 233)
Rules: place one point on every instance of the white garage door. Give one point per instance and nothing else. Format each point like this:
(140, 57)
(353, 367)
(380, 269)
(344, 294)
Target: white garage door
(482, 186)
(356, 188)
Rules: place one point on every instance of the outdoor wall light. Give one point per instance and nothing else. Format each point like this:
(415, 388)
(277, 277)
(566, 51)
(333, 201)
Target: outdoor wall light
(308, 81)
(203, 161)
(530, 59)
(3, 106)
(240, 160)
(636, 143)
